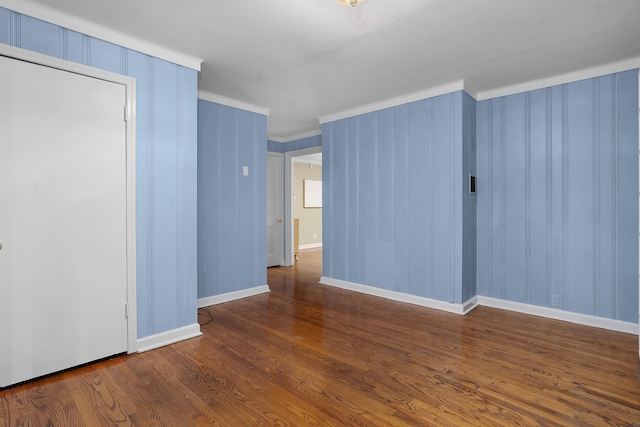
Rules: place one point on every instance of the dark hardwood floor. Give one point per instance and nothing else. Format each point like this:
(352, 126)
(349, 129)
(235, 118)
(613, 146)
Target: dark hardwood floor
(308, 354)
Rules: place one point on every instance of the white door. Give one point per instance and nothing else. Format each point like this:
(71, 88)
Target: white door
(63, 260)
(275, 209)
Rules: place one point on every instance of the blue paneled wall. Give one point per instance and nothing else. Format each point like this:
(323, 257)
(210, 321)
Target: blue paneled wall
(395, 188)
(558, 197)
(166, 115)
(232, 208)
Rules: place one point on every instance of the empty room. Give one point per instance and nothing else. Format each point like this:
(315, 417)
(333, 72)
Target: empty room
(319, 212)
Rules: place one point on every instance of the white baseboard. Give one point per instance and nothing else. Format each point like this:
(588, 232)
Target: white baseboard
(550, 313)
(402, 297)
(232, 296)
(311, 246)
(168, 337)
(554, 313)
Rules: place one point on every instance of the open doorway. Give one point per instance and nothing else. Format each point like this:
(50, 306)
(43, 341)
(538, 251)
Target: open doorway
(303, 225)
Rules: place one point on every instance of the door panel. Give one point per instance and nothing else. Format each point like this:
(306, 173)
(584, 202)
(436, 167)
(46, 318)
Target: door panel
(63, 268)
(275, 209)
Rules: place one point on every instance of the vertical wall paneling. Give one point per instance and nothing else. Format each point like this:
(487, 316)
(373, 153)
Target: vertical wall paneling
(400, 178)
(555, 218)
(232, 207)
(469, 201)
(327, 196)
(187, 197)
(395, 216)
(6, 24)
(260, 198)
(166, 115)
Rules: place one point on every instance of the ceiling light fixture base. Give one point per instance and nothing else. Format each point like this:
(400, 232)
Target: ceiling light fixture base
(350, 2)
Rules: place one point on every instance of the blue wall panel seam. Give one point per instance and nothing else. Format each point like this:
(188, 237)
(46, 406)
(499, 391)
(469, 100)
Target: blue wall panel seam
(549, 192)
(527, 239)
(16, 33)
(218, 207)
(429, 292)
(503, 207)
(124, 69)
(615, 195)
(236, 181)
(62, 43)
(376, 181)
(179, 158)
(453, 226)
(254, 199)
(358, 268)
(564, 196)
(491, 196)
(595, 202)
(89, 48)
(150, 197)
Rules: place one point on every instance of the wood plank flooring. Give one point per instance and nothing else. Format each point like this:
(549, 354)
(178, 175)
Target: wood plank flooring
(311, 355)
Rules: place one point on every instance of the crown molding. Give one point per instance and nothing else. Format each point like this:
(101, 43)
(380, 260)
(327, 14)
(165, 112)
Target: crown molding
(230, 102)
(587, 73)
(100, 32)
(394, 102)
(277, 139)
(303, 135)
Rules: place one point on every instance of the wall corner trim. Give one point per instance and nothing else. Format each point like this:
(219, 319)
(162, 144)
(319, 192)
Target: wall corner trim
(169, 337)
(233, 103)
(92, 29)
(567, 316)
(460, 309)
(232, 296)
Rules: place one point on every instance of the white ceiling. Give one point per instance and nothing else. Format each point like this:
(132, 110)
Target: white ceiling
(304, 59)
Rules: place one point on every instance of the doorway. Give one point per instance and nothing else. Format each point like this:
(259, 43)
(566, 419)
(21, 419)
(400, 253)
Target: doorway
(308, 163)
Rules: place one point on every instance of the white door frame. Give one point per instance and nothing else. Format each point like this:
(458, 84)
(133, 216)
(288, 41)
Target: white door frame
(130, 115)
(288, 206)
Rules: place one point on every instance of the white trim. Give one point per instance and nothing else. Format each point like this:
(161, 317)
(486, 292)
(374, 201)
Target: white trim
(550, 313)
(402, 297)
(393, 102)
(311, 246)
(229, 102)
(288, 194)
(100, 32)
(307, 161)
(168, 337)
(232, 296)
(567, 316)
(307, 134)
(613, 67)
(130, 85)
